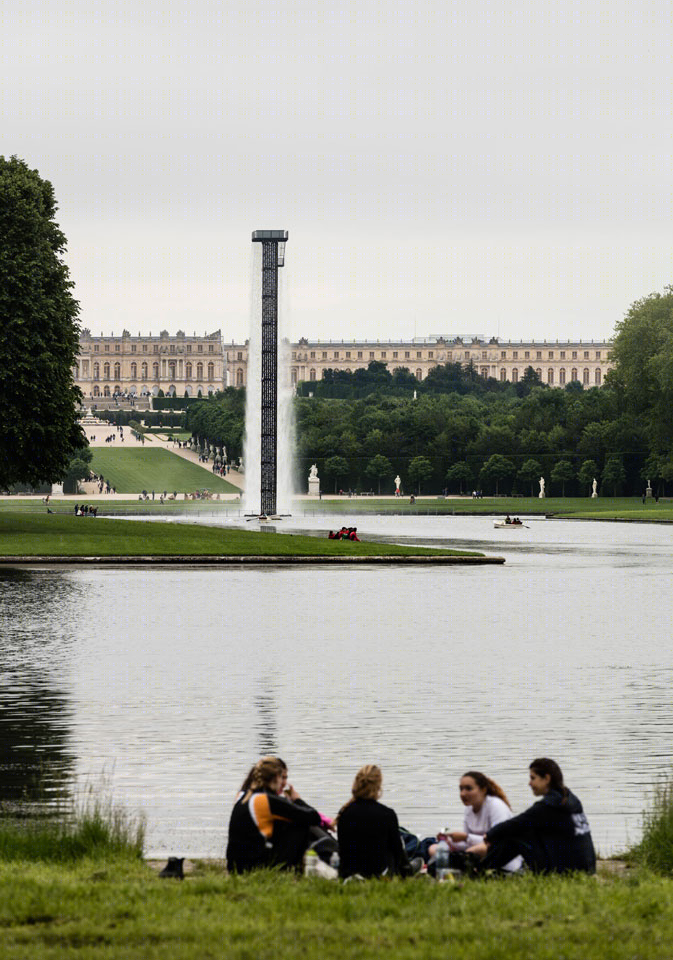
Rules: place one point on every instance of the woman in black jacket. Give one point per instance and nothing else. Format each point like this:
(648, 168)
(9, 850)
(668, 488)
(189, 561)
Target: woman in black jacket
(369, 834)
(552, 836)
(266, 829)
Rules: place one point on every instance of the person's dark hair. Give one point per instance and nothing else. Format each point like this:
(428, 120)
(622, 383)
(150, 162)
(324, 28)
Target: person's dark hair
(543, 766)
(492, 788)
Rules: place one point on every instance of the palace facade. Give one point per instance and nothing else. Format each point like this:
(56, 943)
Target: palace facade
(181, 364)
(141, 366)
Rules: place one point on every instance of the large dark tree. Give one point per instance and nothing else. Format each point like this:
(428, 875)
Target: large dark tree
(38, 333)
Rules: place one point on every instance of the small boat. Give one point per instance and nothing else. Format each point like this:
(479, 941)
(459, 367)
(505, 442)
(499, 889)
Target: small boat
(512, 525)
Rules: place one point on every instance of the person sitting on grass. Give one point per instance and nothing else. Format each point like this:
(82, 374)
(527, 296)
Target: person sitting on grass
(370, 844)
(266, 829)
(552, 836)
(320, 838)
(485, 806)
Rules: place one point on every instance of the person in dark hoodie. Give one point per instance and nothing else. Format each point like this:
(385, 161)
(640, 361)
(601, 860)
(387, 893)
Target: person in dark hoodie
(265, 828)
(553, 836)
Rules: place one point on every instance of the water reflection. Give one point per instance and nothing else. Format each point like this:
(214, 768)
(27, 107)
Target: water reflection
(267, 723)
(36, 714)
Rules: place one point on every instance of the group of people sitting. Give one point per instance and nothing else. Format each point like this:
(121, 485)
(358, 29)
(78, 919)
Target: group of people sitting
(513, 520)
(85, 510)
(346, 533)
(271, 825)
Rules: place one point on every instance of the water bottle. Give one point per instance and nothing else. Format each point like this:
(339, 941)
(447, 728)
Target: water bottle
(310, 863)
(334, 861)
(442, 860)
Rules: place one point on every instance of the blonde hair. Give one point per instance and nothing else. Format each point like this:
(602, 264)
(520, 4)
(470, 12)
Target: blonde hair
(367, 783)
(366, 786)
(263, 774)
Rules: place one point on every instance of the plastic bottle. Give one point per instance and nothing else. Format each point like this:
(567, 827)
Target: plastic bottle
(442, 860)
(335, 860)
(310, 863)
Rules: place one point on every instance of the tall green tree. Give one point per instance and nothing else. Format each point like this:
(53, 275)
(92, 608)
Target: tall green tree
(563, 472)
(420, 470)
(379, 467)
(529, 472)
(496, 469)
(336, 467)
(39, 336)
(587, 473)
(613, 473)
(459, 473)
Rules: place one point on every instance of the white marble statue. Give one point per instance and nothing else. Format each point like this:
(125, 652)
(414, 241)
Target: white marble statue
(398, 484)
(313, 472)
(594, 488)
(541, 493)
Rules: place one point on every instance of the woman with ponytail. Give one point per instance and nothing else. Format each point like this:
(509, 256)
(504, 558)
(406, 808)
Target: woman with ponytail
(267, 829)
(485, 806)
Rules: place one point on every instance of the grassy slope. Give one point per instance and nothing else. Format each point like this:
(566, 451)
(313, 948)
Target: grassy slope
(120, 911)
(83, 536)
(133, 470)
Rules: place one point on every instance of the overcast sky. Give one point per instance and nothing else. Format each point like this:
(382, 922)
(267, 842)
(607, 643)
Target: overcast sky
(491, 166)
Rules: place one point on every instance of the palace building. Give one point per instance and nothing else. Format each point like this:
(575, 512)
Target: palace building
(141, 366)
(182, 364)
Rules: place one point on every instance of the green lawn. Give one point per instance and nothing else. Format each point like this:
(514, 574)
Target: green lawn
(119, 910)
(604, 507)
(133, 470)
(70, 536)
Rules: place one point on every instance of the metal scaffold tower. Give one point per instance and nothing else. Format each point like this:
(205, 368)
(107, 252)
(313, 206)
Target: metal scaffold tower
(273, 256)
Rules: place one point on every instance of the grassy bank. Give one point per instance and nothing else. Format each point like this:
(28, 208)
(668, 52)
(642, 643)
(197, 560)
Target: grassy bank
(70, 536)
(132, 470)
(121, 911)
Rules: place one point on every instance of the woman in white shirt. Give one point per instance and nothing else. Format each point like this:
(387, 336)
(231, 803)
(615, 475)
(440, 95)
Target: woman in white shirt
(485, 805)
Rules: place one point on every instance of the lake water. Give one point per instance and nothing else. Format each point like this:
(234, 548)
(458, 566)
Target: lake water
(171, 682)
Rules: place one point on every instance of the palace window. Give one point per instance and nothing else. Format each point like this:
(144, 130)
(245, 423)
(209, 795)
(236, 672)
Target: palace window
(371, 354)
(172, 348)
(189, 348)
(526, 355)
(106, 371)
(503, 374)
(117, 347)
(155, 371)
(539, 374)
(538, 355)
(419, 355)
(311, 375)
(598, 354)
(574, 355)
(107, 348)
(211, 371)
(96, 348)
(597, 377)
(484, 372)
(348, 355)
(467, 354)
(211, 348)
(133, 348)
(383, 354)
(199, 349)
(585, 376)
(239, 378)
(118, 371)
(563, 354)
(144, 371)
(324, 354)
(573, 374)
(156, 348)
(188, 370)
(515, 354)
(550, 376)
(239, 355)
(484, 355)
(144, 348)
(515, 375)
(562, 376)
(551, 355)
(419, 374)
(430, 354)
(336, 355)
(199, 371)
(586, 354)
(394, 354)
(406, 354)
(312, 354)
(294, 354)
(503, 354)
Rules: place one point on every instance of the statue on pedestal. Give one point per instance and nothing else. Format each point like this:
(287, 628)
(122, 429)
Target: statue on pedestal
(398, 484)
(313, 482)
(648, 492)
(594, 488)
(541, 493)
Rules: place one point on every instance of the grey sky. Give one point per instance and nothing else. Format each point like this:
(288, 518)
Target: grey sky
(494, 167)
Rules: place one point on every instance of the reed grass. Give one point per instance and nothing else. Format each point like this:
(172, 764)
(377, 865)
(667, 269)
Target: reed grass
(655, 850)
(88, 825)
